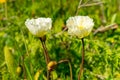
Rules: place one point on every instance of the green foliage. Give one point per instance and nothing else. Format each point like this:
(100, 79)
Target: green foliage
(102, 51)
(10, 61)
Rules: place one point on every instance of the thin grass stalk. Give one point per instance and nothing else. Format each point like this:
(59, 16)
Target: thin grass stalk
(71, 75)
(6, 15)
(78, 7)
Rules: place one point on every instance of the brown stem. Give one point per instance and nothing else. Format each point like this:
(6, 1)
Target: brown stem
(63, 60)
(92, 4)
(82, 64)
(70, 66)
(45, 51)
(47, 58)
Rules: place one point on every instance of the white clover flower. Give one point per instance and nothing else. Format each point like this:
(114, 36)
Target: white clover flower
(79, 26)
(39, 27)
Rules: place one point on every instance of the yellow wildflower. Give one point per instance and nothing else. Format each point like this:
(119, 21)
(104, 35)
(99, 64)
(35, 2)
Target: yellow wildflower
(2, 1)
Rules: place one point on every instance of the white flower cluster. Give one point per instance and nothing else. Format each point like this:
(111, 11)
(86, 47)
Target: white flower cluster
(39, 26)
(79, 26)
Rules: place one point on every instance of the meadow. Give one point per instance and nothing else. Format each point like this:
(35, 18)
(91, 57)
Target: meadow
(22, 54)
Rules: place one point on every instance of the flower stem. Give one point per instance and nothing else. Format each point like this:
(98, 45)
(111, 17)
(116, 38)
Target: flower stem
(47, 58)
(70, 66)
(82, 64)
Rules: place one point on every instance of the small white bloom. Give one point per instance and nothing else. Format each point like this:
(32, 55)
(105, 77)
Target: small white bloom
(80, 26)
(39, 26)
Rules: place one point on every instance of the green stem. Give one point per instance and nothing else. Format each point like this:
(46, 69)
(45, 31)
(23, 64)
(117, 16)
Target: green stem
(71, 76)
(6, 16)
(47, 58)
(70, 66)
(28, 72)
(82, 64)
(25, 68)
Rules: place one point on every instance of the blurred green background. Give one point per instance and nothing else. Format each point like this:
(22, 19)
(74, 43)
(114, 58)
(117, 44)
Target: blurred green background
(102, 50)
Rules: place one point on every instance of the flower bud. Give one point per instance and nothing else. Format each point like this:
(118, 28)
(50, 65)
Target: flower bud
(51, 65)
(37, 75)
(19, 70)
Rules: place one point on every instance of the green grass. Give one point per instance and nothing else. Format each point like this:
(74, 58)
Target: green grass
(102, 51)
